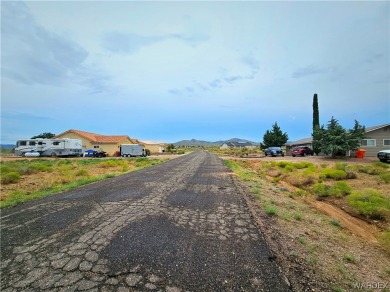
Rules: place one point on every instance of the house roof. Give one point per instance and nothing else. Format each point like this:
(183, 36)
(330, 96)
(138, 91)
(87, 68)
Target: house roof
(98, 138)
(370, 129)
(301, 141)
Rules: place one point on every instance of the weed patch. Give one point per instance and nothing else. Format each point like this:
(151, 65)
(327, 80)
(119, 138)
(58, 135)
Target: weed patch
(370, 203)
(10, 177)
(335, 174)
(385, 177)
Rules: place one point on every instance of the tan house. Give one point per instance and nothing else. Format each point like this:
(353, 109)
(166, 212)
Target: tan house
(376, 138)
(154, 147)
(109, 144)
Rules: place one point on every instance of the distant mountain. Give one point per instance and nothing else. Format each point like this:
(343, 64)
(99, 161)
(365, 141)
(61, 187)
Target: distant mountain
(197, 143)
(7, 146)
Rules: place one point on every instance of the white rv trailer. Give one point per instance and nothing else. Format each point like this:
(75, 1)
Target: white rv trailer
(50, 147)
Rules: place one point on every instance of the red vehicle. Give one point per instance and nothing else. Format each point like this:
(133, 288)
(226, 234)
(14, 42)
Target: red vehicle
(302, 151)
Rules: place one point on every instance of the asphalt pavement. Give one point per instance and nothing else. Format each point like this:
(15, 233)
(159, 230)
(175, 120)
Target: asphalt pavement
(179, 226)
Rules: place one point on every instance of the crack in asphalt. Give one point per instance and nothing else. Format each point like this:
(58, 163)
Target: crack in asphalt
(178, 226)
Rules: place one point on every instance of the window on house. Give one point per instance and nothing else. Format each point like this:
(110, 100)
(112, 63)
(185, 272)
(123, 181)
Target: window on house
(22, 143)
(56, 143)
(386, 142)
(369, 142)
(31, 143)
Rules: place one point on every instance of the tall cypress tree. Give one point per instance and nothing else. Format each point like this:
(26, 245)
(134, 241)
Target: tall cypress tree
(316, 125)
(316, 114)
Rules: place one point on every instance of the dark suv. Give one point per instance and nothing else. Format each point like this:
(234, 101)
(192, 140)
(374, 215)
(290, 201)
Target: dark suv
(273, 151)
(302, 151)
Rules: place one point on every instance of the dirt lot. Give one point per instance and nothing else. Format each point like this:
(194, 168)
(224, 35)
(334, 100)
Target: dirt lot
(320, 245)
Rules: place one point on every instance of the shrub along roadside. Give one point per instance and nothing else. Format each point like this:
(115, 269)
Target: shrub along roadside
(370, 203)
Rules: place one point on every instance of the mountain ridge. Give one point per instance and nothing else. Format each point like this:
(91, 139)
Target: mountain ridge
(195, 142)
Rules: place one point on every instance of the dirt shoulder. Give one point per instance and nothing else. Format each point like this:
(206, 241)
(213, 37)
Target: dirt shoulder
(311, 240)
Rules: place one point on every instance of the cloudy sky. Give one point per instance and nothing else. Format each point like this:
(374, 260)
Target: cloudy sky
(168, 71)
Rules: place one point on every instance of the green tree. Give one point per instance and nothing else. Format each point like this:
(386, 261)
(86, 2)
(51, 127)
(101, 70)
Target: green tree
(275, 137)
(316, 114)
(336, 141)
(45, 135)
(170, 147)
(316, 125)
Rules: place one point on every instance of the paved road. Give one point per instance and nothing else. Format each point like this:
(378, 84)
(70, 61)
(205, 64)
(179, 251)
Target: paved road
(178, 226)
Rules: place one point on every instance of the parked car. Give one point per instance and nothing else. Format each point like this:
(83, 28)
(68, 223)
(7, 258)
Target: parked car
(94, 153)
(384, 155)
(302, 151)
(274, 151)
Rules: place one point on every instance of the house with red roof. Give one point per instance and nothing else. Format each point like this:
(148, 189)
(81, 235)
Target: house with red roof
(99, 142)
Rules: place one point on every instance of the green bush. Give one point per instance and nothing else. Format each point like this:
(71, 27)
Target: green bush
(385, 177)
(270, 210)
(370, 203)
(10, 177)
(321, 190)
(303, 164)
(351, 174)
(340, 189)
(381, 164)
(335, 174)
(384, 240)
(82, 172)
(368, 170)
(341, 166)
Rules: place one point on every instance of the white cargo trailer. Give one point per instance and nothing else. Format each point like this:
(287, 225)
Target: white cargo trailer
(130, 150)
(49, 147)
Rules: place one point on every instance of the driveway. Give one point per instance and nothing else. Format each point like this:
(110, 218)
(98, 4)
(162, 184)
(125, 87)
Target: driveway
(179, 226)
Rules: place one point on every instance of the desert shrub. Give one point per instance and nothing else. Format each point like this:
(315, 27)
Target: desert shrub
(351, 174)
(339, 189)
(86, 161)
(301, 180)
(304, 164)
(270, 209)
(82, 172)
(321, 190)
(381, 164)
(63, 161)
(108, 164)
(274, 172)
(297, 216)
(341, 166)
(10, 177)
(384, 240)
(63, 168)
(370, 203)
(368, 169)
(38, 167)
(283, 164)
(4, 168)
(335, 174)
(335, 222)
(385, 177)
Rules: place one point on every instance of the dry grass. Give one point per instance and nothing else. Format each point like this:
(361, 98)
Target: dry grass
(40, 177)
(316, 252)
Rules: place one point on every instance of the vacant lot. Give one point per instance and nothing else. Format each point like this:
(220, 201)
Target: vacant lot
(326, 220)
(25, 179)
